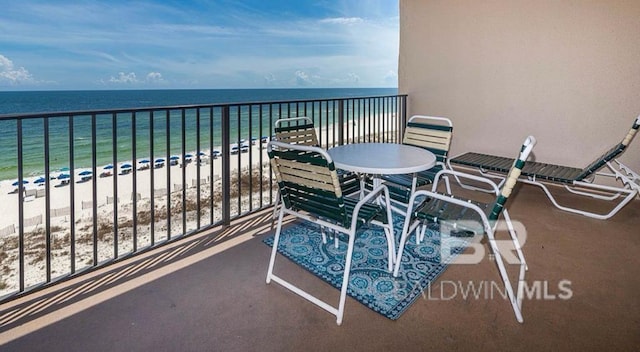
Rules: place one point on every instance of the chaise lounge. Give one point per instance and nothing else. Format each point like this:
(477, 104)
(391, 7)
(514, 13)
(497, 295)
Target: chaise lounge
(579, 181)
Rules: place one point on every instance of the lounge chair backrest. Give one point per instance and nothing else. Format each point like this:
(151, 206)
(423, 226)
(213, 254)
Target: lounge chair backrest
(308, 180)
(611, 153)
(296, 130)
(632, 132)
(512, 178)
(430, 132)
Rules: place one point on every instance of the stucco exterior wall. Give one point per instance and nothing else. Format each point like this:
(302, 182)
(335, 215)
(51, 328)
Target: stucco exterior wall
(567, 72)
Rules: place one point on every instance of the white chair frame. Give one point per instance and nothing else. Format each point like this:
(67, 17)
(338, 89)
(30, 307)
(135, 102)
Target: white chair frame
(381, 191)
(628, 189)
(489, 227)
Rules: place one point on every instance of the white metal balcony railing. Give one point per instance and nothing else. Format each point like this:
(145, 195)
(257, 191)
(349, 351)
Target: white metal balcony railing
(119, 182)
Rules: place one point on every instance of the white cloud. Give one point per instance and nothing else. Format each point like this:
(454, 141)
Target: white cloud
(154, 77)
(339, 43)
(269, 79)
(11, 74)
(132, 78)
(342, 20)
(124, 78)
(302, 78)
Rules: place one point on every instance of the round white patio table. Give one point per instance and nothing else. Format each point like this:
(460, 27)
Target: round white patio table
(382, 158)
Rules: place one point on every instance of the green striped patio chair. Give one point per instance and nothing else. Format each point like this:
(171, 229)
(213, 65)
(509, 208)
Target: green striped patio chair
(580, 181)
(296, 130)
(471, 217)
(301, 131)
(310, 190)
(429, 132)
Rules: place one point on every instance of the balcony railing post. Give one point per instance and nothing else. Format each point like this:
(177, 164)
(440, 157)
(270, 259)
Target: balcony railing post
(72, 195)
(340, 122)
(198, 167)
(47, 203)
(226, 166)
(114, 148)
(168, 146)
(183, 148)
(21, 244)
(211, 183)
(94, 189)
(403, 116)
(134, 192)
(152, 205)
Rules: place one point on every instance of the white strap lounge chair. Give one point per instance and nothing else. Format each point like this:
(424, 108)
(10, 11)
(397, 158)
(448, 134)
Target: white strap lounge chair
(468, 216)
(579, 181)
(310, 191)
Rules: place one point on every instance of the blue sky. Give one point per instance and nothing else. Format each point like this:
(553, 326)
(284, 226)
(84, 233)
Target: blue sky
(116, 44)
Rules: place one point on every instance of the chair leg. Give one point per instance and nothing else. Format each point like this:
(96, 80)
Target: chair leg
(514, 238)
(339, 311)
(276, 206)
(593, 195)
(420, 235)
(389, 234)
(274, 250)
(345, 278)
(523, 264)
(516, 301)
(447, 184)
(324, 235)
(391, 239)
(407, 229)
(390, 248)
(630, 195)
(330, 234)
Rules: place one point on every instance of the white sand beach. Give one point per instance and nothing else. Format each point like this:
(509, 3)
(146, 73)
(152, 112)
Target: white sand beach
(34, 207)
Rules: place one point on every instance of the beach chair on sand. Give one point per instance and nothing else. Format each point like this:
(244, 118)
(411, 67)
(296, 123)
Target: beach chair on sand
(580, 181)
(310, 190)
(300, 131)
(468, 217)
(429, 132)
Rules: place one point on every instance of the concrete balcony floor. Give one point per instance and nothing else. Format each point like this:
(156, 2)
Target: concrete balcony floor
(207, 293)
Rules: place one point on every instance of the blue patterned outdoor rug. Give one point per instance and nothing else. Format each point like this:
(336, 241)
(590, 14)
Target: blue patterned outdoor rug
(370, 283)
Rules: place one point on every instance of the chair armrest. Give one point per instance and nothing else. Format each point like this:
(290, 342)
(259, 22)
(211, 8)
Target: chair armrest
(374, 193)
(371, 195)
(444, 198)
(485, 180)
(306, 148)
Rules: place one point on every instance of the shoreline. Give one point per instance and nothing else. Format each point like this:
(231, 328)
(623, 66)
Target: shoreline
(32, 175)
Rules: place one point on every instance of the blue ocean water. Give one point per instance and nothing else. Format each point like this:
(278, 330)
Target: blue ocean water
(58, 101)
